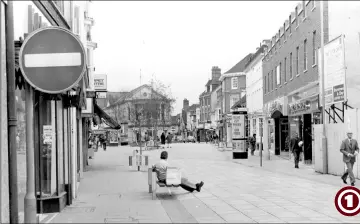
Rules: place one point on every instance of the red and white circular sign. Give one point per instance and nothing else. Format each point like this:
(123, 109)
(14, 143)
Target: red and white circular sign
(347, 201)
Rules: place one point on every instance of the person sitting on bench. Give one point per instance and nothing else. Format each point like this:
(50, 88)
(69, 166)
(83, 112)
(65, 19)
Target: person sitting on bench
(160, 169)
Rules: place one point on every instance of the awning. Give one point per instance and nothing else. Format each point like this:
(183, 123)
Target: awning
(107, 119)
(240, 104)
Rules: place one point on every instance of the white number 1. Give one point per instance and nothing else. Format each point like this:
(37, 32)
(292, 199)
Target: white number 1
(349, 201)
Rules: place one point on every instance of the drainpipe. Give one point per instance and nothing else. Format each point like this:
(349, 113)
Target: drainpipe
(11, 110)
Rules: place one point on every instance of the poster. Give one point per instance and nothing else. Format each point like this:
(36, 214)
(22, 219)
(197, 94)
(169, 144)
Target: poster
(47, 134)
(238, 126)
(113, 137)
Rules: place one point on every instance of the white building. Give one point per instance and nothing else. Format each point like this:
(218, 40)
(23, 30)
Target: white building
(254, 92)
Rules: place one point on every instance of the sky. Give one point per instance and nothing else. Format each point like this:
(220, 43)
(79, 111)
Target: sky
(178, 42)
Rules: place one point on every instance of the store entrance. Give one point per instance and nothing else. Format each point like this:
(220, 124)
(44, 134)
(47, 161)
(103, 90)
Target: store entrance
(284, 136)
(307, 136)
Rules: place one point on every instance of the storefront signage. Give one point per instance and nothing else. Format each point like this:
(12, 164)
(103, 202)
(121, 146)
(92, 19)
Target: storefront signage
(304, 106)
(47, 134)
(100, 82)
(335, 71)
(101, 95)
(52, 59)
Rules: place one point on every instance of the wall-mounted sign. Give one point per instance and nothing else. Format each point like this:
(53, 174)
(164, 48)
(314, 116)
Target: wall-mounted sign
(304, 106)
(100, 82)
(101, 95)
(90, 94)
(335, 71)
(89, 107)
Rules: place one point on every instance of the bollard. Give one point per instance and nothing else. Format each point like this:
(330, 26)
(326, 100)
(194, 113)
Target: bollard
(130, 163)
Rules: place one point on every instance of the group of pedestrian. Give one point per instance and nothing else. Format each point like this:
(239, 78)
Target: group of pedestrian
(166, 139)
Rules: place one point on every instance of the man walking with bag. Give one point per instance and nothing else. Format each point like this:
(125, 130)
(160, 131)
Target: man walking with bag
(350, 149)
(296, 148)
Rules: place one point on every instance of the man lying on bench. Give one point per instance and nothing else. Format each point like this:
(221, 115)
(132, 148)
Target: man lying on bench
(160, 169)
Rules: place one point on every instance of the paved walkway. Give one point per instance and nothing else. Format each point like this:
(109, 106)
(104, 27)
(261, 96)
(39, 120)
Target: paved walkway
(233, 192)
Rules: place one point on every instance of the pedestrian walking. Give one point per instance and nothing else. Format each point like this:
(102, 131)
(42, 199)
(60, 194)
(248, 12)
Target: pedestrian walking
(253, 143)
(168, 140)
(163, 138)
(350, 149)
(296, 148)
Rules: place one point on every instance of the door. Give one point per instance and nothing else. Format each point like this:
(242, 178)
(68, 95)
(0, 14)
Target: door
(284, 133)
(307, 136)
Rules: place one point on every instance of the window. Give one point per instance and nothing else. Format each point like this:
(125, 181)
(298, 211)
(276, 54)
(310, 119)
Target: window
(313, 4)
(296, 17)
(297, 60)
(278, 75)
(290, 65)
(76, 28)
(272, 81)
(290, 25)
(285, 70)
(284, 32)
(304, 8)
(314, 48)
(234, 83)
(305, 54)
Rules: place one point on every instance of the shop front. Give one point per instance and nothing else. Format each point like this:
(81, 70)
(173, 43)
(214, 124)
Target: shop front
(304, 112)
(276, 122)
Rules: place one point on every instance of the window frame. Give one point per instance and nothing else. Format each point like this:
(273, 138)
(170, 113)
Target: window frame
(232, 83)
(285, 64)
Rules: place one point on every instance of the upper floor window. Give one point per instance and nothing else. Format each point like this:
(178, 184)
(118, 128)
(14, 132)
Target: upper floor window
(296, 17)
(278, 74)
(234, 83)
(76, 28)
(290, 25)
(285, 69)
(313, 3)
(304, 8)
(305, 54)
(297, 60)
(284, 32)
(314, 48)
(291, 65)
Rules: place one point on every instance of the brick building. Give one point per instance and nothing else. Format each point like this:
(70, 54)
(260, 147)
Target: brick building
(233, 88)
(291, 80)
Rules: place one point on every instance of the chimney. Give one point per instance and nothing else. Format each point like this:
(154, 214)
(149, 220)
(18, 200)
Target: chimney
(185, 104)
(215, 73)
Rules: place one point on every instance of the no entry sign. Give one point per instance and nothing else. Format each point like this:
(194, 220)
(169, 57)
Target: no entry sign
(52, 60)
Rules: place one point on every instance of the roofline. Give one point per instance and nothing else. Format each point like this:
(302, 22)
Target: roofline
(228, 75)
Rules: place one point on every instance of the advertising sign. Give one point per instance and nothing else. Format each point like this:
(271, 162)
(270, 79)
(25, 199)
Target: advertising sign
(47, 134)
(334, 71)
(100, 82)
(238, 126)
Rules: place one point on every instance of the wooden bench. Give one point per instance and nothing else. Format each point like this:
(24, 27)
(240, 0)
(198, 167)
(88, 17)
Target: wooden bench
(154, 184)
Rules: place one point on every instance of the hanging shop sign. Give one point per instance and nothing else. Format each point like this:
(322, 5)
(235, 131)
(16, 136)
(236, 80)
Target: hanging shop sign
(52, 60)
(100, 82)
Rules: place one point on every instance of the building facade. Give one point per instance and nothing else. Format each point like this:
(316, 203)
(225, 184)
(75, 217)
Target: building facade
(233, 87)
(291, 80)
(58, 158)
(254, 91)
(142, 110)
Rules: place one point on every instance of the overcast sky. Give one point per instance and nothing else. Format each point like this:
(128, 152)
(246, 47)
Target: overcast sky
(179, 41)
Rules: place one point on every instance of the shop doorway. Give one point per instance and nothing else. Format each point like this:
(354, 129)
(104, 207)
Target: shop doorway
(284, 136)
(307, 136)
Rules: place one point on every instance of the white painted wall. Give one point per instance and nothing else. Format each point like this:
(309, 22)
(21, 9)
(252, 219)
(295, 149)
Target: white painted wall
(254, 86)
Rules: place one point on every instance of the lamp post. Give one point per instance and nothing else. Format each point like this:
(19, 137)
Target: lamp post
(322, 82)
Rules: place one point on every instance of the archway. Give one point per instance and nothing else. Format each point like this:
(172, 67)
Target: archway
(281, 133)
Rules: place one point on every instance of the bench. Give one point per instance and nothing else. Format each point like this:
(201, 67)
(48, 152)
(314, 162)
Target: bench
(154, 184)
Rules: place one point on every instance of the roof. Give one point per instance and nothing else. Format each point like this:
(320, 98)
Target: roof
(240, 103)
(208, 83)
(241, 65)
(257, 53)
